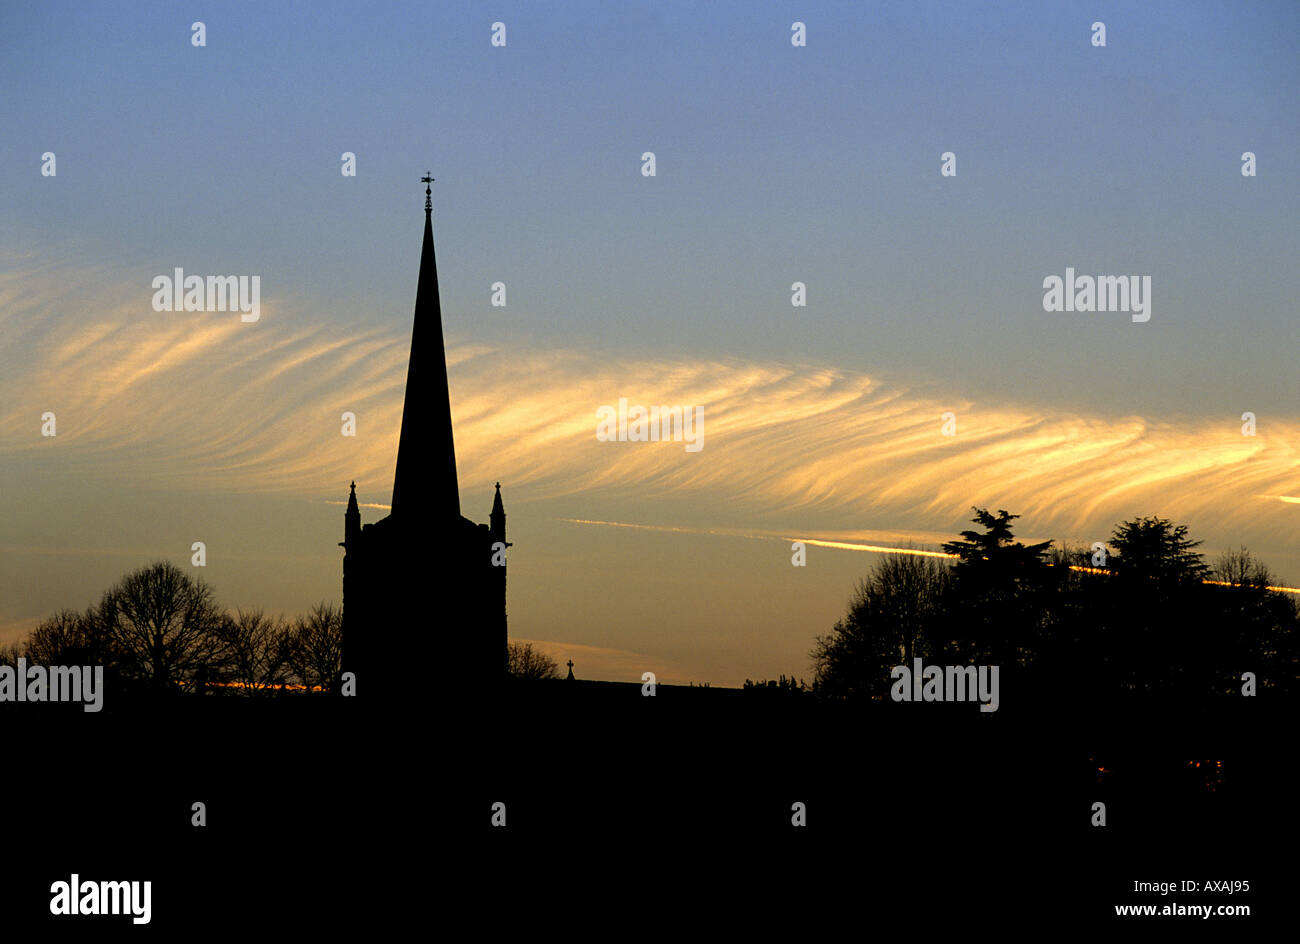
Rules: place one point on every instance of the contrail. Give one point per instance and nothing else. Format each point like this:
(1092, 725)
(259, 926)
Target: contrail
(876, 548)
(762, 536)
(845, 545)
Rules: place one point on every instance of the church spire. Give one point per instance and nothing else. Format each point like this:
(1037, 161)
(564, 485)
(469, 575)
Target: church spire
(424, 486)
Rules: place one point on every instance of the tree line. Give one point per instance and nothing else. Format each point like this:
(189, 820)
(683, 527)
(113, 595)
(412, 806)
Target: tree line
(1144, 615)
(159, 631)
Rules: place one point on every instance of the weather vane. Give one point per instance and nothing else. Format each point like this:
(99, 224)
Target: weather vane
(428, 193)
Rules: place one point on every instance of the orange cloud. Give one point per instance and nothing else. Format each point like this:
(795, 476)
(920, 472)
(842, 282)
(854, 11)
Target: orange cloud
(203, 401)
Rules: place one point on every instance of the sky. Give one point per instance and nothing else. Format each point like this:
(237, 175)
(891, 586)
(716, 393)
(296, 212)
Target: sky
(773, 164)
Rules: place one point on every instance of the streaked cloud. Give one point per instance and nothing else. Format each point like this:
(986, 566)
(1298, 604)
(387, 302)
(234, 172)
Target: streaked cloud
(203, 401)
(192, 400)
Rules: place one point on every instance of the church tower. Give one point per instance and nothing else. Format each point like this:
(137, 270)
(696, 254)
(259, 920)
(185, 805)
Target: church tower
(424, 589)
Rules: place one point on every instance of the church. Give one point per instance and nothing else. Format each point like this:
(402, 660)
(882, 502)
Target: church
(424, 589)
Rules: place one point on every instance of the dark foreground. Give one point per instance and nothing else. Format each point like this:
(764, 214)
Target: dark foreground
(629, 812)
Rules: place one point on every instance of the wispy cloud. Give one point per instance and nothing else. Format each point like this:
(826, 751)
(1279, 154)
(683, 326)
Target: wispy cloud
(791, 443)
(191, 399)
(203, 401)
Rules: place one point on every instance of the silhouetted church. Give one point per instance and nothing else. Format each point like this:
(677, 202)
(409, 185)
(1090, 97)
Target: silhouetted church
(423, 602)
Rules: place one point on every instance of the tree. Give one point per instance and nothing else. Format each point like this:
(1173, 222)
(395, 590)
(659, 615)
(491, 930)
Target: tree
(770, 688)
(523, 661)
(993, 556)
(1070, 653)
(10, 654)
(1000, 586)
(1260, 628)
(314, 648)
(255, 650)
(69, 638)
(1240, 568)
(1157, 616)
(162, 625)
(894, 616)
(1157, 549)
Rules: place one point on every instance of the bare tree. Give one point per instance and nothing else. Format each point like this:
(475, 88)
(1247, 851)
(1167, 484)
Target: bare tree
(10, 654)
(69, 638)
(163, 625)
(523, 661)
(254, 655)
(1241, 568)
(314, 647)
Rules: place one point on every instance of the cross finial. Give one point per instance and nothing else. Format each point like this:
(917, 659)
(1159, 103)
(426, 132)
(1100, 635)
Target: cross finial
(428, 193)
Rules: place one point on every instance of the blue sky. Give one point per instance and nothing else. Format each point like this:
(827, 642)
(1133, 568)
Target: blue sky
(774, 164)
